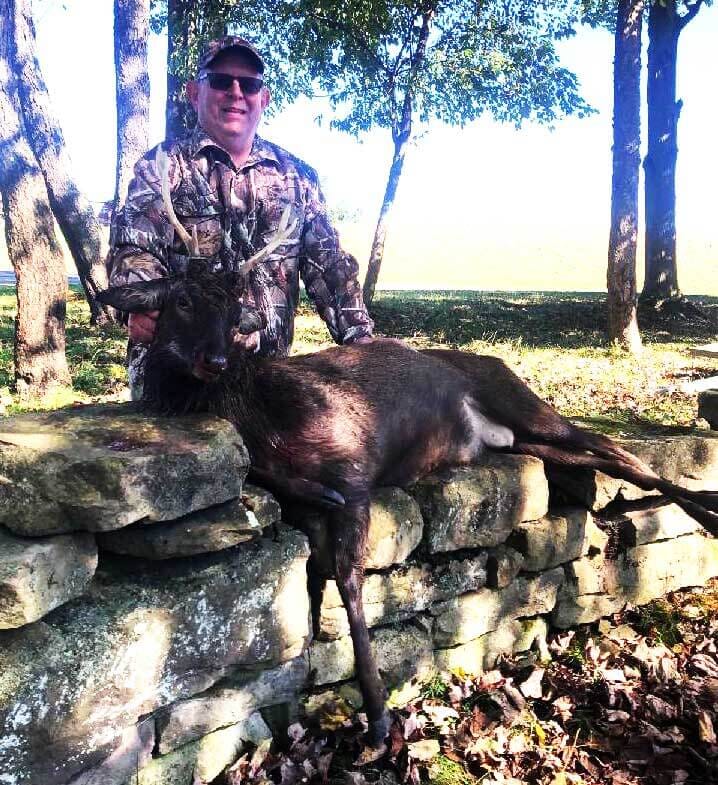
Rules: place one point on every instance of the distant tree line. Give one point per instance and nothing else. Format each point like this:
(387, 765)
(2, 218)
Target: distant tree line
(393, 64)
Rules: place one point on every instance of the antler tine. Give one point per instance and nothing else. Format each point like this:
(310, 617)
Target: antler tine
(280, 237)
(163, 167)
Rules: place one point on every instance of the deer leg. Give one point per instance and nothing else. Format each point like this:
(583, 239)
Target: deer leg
(349, 534)
(700, 505)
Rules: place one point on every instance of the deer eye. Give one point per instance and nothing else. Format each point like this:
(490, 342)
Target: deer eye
(184, 303)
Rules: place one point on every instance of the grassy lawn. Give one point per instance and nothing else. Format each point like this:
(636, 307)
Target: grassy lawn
(553, 340)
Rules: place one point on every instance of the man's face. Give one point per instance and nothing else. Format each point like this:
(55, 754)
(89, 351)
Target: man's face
(230, 117)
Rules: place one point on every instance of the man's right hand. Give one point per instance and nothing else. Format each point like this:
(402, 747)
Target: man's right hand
(141, 326)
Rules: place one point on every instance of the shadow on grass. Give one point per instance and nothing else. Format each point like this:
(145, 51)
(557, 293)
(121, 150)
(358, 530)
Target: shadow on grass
(536, 319)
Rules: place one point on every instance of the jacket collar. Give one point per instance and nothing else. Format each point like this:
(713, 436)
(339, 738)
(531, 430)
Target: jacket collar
(199, 142)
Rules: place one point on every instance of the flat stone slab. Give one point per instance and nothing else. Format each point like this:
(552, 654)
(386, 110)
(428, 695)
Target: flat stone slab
(599, 586)
(71, 683)
(478, 506)
(205, 531)
(474, 614)
(481, 654)
(690, 461)
(232, 701)
(557, 538)
(39, 574)
(402, 592)
(403, 652)
(98, 468)
(638, 527)
(395, 528)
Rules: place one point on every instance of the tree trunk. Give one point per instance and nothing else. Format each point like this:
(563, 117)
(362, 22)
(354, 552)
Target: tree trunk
(377, 248)
(73, 212)
(621, 277)
(661, 280)
(401, 134)
(33, 248)
(132, 18)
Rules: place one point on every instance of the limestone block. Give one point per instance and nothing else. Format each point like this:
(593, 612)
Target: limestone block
(478, 506)
(234, 700)
(37, 575)
(690, 460)
(708, 407)
(482, 653)
(133, 752)
(395, 528)
(598, 586)
(560, 537)
(71, 683)
(402, 592)
(205, 531)
(638, 527)
(402, 652)
(502, 566)
(98, 468)
(205, 759)
(472, 615)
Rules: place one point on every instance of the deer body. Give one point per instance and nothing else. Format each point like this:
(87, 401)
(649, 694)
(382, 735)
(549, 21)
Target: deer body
(332, 426)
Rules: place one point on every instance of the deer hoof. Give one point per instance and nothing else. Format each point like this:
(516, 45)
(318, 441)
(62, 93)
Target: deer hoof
(378, 730)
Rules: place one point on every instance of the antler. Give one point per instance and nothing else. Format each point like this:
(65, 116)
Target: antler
(162, 162)
(280, 237)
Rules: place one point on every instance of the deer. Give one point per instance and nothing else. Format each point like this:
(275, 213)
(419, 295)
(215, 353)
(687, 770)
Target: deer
(327, 428)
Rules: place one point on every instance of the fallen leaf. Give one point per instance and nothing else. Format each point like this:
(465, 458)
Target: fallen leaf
(706, 731)
(424, 750)
(531, 688)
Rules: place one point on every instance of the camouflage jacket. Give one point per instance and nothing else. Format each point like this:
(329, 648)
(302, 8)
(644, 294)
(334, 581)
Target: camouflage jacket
(235, 212)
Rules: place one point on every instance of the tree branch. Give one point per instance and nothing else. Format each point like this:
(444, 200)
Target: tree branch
(692, 11)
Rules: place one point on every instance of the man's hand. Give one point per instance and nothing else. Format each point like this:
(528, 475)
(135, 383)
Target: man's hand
(363, 339)
(141, 326)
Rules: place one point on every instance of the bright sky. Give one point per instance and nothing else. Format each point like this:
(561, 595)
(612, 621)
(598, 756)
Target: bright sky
(484, 207)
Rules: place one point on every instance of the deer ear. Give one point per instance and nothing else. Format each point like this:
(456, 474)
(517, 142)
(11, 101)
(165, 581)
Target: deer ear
(137, 297)
(250, 320)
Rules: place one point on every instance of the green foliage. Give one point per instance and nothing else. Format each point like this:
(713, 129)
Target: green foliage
(435, 687)
(659, 620)
(444, 771)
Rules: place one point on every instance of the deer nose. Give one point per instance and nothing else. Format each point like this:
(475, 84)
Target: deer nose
(216, 363)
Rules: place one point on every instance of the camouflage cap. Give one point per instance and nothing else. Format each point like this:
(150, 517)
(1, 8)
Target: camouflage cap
(220, 45)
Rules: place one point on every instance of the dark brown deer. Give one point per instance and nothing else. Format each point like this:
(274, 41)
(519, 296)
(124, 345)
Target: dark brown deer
(332, 426)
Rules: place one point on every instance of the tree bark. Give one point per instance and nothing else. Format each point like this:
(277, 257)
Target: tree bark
(661, 279)
(74, 214)
(621, 276)
(33, 248)
(132, 84)
(401, 135)
(377, 249)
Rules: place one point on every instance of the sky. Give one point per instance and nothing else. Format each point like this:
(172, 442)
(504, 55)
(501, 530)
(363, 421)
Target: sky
(483, 207)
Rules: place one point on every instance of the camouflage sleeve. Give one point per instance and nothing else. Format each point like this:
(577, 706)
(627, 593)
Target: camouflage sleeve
(330, 274)
(141, 234)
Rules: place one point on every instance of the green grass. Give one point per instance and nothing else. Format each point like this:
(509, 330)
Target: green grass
(553, 340)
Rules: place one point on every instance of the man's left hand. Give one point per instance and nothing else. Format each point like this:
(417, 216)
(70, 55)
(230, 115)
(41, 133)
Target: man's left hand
(363, 339)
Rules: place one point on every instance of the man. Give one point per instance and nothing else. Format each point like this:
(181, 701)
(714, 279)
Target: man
(232, 188)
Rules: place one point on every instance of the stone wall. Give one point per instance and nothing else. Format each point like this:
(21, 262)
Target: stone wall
(154, 614)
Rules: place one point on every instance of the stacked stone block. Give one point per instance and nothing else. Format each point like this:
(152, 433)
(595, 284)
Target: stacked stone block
(161, 660)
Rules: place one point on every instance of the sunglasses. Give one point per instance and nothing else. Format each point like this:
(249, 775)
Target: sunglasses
(249, 85)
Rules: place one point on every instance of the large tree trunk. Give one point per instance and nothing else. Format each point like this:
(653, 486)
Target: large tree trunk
(35, 254)
(132, 83)
(621, 277)
(661, 281)
(73, 212)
